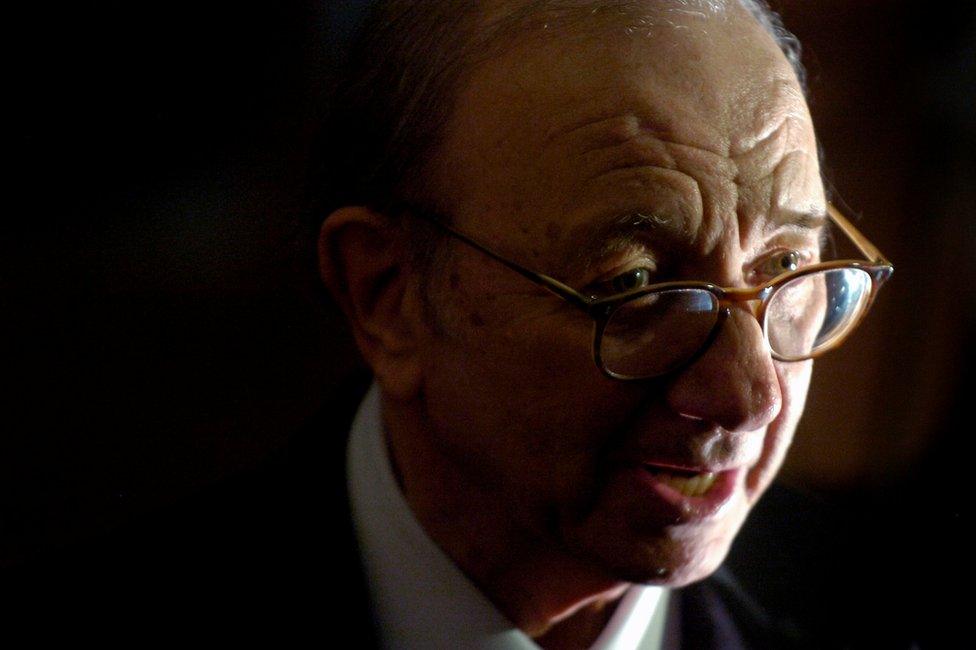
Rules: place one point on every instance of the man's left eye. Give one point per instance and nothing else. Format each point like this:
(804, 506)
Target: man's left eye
(782, 262)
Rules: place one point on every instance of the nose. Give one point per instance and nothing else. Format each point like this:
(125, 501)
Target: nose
(733, 383)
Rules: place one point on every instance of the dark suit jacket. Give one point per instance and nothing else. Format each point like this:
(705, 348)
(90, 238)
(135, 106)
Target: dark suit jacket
(273, 554)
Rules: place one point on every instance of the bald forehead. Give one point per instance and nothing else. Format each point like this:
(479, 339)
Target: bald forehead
(502, 21)
(496, 10)
(580, 57)
(637, 104)
(601, 32)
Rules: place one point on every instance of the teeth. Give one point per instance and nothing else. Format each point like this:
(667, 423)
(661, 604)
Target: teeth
(690, 486)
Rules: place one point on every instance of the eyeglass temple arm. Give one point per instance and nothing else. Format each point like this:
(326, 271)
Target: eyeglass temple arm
(555, 286)
(866, 247)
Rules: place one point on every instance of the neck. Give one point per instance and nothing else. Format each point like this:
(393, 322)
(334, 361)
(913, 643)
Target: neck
(556, 598)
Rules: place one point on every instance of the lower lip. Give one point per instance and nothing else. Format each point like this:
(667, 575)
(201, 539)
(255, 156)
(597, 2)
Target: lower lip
(685, 509)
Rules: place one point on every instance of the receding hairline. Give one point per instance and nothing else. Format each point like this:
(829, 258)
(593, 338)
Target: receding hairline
(508, 22)
(397, 89)
(403, 73)
(503, 20)
(496, 26)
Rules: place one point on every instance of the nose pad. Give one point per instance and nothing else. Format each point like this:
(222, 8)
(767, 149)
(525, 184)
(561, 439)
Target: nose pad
(733, 383)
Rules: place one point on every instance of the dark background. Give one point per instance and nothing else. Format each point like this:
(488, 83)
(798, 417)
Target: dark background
(161, 329)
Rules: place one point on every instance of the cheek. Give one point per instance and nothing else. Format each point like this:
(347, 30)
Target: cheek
(795, 381)
(525, 342)
(516, 392)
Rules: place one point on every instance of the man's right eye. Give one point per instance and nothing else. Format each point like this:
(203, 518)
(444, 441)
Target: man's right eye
(632, 279)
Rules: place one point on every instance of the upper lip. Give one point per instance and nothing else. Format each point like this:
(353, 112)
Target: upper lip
(661, 441)
(685, 467)
(704, 450)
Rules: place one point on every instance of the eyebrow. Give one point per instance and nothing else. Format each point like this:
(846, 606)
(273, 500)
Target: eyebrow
(592, 243)
(805, 223)
(797, 219)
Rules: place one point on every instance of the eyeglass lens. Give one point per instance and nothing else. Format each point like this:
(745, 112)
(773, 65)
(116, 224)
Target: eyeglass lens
(657, 333)
(811, 312)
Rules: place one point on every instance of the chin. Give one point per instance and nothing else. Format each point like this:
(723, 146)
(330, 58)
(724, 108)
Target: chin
(654, 552)
(664, 561)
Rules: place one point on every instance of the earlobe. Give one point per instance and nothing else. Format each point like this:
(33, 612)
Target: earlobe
(362, 261)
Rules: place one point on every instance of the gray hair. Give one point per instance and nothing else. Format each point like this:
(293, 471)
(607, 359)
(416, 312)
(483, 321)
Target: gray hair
(395, 94)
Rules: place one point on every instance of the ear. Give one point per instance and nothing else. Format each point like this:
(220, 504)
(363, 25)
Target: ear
(363, 262)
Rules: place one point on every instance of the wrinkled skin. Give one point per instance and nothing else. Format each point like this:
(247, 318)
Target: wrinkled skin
(514, 450)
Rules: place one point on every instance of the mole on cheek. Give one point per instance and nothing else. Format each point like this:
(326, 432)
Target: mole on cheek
(455, 280)
(476, 319)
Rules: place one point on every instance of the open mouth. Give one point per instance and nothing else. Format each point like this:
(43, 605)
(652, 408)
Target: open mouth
(683, 494)
(690, 483)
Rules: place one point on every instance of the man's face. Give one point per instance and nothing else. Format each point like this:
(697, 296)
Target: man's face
(664, 141)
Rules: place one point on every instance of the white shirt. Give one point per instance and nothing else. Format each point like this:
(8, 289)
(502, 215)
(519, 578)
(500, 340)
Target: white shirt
(420, 598)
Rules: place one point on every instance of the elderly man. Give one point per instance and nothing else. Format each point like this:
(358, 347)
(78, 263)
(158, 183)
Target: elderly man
(579, 246)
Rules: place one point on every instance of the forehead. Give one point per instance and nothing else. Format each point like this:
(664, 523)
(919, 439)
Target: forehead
(542, 128)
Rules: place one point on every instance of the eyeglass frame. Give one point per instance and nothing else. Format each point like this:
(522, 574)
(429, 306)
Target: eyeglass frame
(601, 310)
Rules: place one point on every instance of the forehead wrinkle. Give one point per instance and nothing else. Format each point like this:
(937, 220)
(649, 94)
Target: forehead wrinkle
(766, 159)
(592, 133)
(783, 198)
(618, 152)
(623, 141)
(685, 129)
(781, 114)
(656, 113)
(632, 154)
(759, 163)
(609, 126)
(526, 22)
(762, 227)
(792, 181)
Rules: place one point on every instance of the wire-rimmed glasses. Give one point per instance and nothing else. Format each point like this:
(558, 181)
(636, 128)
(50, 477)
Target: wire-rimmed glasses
(655, 330)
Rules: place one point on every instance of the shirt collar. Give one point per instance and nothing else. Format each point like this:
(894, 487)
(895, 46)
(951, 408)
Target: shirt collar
(421, 599)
